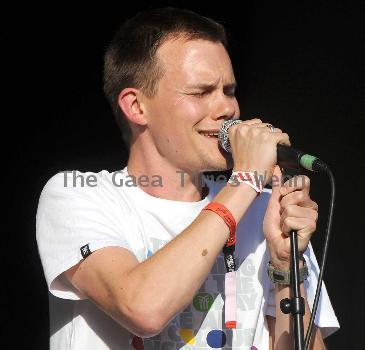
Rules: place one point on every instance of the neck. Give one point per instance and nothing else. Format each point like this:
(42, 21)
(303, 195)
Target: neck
(165, 180)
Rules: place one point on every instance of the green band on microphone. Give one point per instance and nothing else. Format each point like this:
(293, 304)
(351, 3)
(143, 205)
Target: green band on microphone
(306, 161)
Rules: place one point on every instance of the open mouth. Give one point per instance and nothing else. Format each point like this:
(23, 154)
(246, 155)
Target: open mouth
(209, 134)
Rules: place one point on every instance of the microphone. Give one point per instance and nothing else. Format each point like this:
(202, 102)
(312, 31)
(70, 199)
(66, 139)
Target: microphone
(287, 157)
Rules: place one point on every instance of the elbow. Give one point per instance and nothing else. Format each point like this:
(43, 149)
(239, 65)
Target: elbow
(148, 326)
(141, 321)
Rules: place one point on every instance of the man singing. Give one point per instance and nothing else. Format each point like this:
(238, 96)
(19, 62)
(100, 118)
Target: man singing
(146, 266)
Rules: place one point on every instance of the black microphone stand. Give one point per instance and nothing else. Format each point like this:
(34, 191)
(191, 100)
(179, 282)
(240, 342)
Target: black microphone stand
(295, 305)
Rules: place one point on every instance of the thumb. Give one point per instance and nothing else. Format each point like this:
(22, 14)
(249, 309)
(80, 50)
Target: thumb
(276, 184)
(272, 215)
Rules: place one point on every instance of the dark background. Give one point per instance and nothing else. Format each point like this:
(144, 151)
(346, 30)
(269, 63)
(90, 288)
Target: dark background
(299, 66)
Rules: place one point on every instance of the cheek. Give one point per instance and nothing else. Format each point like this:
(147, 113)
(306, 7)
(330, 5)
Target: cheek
(191, 110)
(174, 119)
(182, 115)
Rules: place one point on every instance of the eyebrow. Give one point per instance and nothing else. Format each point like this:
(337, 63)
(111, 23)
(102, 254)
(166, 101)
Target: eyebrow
(208, 86)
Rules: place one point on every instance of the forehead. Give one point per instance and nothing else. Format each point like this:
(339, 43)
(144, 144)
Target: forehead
(193, 61)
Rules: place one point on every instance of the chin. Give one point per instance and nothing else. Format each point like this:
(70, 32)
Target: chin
(214, 159)
(219, 164)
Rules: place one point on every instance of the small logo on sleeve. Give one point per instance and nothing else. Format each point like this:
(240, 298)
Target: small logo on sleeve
(85, 251)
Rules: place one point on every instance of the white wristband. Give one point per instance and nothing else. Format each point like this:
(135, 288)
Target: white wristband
(251, 179)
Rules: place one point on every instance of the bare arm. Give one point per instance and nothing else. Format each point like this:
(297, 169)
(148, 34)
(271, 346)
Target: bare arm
(280, 328)
(144, 297)
(290, 208)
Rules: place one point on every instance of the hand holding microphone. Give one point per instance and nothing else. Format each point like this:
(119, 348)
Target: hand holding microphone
(257, 146)
(249, 141)
(252, 144)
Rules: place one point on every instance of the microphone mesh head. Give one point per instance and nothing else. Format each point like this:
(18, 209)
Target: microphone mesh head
(223, 134)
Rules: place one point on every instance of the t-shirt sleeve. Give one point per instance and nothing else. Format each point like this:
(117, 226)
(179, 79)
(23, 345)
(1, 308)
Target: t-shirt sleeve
(325, 318)
(71, 218)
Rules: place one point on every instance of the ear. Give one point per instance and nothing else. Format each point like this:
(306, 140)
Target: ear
(129, 102)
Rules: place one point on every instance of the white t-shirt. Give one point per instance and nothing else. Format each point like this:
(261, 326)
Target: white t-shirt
(112, 211)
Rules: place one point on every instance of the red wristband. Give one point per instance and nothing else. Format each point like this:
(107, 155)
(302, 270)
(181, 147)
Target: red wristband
(228, 218)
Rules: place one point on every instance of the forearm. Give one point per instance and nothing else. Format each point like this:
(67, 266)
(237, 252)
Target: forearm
(167, 281)
(284, 333)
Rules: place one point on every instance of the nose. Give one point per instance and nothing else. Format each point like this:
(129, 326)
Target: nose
(226, 107)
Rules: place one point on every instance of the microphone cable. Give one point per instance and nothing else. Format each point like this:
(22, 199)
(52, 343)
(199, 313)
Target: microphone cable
(325, 169)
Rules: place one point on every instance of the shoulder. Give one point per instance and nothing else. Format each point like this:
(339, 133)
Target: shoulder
(73, 186)
(75, 180)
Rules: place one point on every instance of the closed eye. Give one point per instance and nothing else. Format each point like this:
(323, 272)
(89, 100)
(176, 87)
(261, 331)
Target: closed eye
(201, 94)
(230, 92)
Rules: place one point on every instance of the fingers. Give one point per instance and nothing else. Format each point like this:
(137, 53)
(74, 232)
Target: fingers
(300, 182)
(252, 121)
(297, 212)
(265, 128)
(304, 226)
(282, 138)
(257, 122)
(277, 134)
(300, 197)
(294, 217)
(257, 126)
(253, 145)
